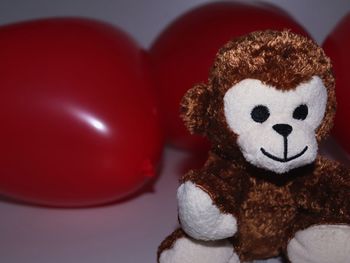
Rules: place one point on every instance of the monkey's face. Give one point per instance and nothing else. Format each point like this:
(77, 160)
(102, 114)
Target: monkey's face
(276, 129)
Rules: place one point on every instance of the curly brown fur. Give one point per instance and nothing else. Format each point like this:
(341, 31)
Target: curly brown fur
(278, 58)
(269, 208)
(194, 114)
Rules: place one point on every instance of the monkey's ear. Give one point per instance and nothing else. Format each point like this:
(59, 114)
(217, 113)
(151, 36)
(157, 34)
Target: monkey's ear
(194, 109)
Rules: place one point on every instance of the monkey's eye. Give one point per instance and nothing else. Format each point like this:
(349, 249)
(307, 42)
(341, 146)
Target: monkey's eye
(260, 113)
(301, 112)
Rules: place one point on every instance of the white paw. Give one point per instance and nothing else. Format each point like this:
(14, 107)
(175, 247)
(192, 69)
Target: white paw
(321, 244)
(200, 218)
(187, 250)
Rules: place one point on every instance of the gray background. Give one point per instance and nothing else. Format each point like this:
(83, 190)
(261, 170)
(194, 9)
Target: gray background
(145, 19)
(128, 232)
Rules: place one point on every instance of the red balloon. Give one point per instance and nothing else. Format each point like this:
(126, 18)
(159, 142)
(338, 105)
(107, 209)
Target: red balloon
(337, 47)
(79, 120)
(183, 53)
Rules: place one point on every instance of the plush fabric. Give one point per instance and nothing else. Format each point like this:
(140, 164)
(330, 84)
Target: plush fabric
(267, 104)
(188, 250)
(321, 244)
(200, 218)
(259, 138)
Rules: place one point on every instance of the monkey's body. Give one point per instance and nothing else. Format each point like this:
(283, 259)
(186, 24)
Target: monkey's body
(270, 209)
(264, 191)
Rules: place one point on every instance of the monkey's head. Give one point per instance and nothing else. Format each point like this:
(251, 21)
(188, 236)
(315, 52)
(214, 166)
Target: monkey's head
(270, 95)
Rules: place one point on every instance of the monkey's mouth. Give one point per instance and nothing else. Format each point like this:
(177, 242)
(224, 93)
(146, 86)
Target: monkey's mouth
(285, 159)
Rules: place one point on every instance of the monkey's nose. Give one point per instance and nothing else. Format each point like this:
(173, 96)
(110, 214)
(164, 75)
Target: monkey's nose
(283, 129)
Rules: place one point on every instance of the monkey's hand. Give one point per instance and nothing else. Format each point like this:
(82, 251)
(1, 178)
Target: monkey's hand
(199, 217)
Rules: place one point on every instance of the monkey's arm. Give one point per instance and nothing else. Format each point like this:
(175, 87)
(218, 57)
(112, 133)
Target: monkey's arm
(209, 204)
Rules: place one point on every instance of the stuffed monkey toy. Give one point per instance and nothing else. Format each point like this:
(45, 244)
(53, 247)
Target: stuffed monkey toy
(264, 190)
